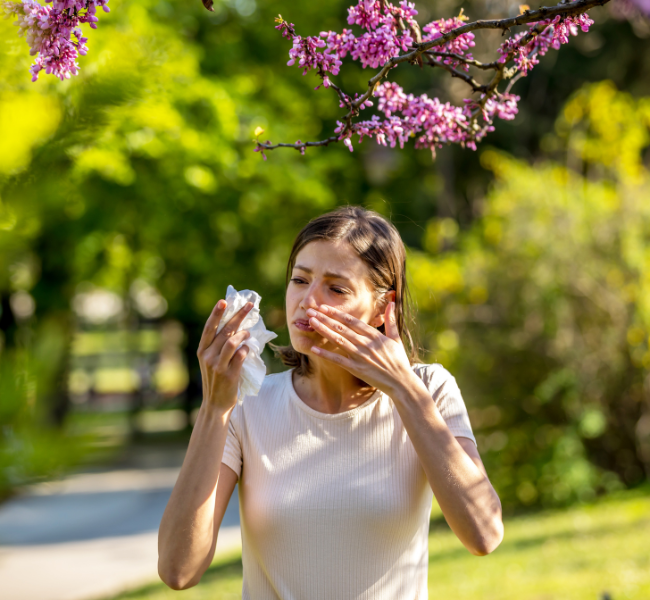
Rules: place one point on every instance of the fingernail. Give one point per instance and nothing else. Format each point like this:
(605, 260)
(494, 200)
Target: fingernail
(312, 312)
(221, 304)
(249, 305)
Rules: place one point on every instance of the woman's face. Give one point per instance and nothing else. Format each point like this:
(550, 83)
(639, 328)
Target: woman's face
(327, 273)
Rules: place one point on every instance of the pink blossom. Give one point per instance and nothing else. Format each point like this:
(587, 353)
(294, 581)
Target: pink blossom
(260, 149)
(53, 32)
(459, 45)
(340, 43)
(555, 33)
(371, 14)
(383, 38)
(366, 14)
(392, 98)
(305, 52)
(430, 121)
(503, 106)
(375, 48)
(387, 31)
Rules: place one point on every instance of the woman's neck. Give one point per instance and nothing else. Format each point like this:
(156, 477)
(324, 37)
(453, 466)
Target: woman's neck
(330, 389)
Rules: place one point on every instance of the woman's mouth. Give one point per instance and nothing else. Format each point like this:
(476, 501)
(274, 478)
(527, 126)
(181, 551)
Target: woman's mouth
(303, 325)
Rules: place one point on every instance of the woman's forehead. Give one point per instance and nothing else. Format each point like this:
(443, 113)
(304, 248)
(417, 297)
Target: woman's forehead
(331, 258)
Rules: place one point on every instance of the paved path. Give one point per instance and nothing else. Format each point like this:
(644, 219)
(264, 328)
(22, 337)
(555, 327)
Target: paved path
(91, 535)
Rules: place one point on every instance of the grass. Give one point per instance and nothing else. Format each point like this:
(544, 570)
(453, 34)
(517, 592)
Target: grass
(222, 581)
(573, 554)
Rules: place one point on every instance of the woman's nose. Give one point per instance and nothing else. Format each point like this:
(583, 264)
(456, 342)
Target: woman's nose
(310, 299)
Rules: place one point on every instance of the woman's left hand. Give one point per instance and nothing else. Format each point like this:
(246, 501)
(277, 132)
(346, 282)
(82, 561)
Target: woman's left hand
(379, 360)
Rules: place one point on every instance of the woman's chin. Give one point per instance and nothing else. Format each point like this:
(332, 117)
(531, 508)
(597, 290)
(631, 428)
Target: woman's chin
(303, 343)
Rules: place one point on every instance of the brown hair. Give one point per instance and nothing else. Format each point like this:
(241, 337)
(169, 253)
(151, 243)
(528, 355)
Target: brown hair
(379, 245)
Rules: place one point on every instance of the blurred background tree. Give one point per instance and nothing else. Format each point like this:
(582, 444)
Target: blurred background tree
(131, 197)
(541, 307)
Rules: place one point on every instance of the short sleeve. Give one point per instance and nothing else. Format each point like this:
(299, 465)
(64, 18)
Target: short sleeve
(446, 394)
(232, 454)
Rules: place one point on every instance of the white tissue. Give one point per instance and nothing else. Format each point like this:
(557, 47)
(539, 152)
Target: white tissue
(253, 370)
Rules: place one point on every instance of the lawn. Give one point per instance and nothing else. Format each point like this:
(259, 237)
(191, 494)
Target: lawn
(579, 553)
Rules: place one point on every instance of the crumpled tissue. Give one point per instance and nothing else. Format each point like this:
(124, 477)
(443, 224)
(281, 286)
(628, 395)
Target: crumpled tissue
(253, 370)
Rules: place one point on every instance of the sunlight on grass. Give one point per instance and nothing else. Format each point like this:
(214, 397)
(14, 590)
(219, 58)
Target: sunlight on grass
(576, 554)
(222, 581)
(573, 554)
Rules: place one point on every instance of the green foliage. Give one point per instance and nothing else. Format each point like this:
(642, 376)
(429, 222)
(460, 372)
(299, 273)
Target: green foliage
(544, 304)
(149, 171)
(608, 131)
(141, 171)
(30, 448)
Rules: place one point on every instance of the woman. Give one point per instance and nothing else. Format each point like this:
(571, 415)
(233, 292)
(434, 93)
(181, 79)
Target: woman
(337, 458)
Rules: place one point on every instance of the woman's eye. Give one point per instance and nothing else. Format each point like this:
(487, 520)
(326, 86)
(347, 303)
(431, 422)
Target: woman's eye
(299, 280)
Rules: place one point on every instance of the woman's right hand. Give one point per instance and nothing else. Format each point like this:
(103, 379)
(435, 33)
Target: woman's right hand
(220, 361)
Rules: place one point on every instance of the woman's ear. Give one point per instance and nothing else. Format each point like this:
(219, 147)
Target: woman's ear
(383, 302)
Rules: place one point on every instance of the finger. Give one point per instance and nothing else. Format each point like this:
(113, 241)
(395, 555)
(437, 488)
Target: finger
(229, 349)
(240, 356)
(344, 361)
(356, 325)
(207, 337)
(390, 319)
(336, 326)
(237, 362)
(333, 336)
(233, 325)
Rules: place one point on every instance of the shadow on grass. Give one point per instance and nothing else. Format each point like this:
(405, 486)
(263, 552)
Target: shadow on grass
(230, 569)
(438, 524)
(527, 543)
(227, 569)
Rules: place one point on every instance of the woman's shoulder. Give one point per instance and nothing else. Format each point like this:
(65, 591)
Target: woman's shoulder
(433, 375)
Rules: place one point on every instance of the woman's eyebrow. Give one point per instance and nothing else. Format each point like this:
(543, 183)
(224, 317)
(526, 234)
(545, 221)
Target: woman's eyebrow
(328, 274)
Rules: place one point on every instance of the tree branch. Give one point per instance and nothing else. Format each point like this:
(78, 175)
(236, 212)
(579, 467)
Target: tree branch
(528, 16)
(468, 79)
(460, 58)
(427, 49)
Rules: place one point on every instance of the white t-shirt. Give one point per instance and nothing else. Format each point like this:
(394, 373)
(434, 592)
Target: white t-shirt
(334, 506)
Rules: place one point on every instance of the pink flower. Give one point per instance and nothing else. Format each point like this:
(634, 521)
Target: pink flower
(437, 29)
(556, 33)
(387, 31)
(375, 48)
(53, 32)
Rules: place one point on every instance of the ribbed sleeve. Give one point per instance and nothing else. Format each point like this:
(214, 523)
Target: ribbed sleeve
(446, 394)
(232, 455)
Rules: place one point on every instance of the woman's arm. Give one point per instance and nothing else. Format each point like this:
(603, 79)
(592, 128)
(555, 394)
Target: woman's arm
(454, 470)
(452, 465)
(188, 531)
(187, 537)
